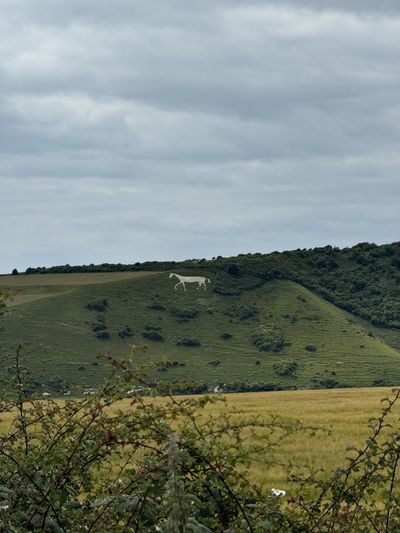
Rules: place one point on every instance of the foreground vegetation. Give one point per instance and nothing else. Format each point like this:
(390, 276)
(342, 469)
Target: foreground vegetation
(184, 465)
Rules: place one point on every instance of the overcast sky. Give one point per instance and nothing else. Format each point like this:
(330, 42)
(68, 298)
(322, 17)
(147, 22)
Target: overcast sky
(136, 130)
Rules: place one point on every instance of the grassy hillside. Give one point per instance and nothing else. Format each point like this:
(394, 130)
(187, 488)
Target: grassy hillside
(363, 279)
(310, 342)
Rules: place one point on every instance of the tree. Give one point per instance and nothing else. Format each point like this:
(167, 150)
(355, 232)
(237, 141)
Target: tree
(15, 272)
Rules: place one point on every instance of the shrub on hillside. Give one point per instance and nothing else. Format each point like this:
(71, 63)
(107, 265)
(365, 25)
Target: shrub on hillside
(103, 335)
(232, 284)
(268, 339)
(214, 362)
(226, 284)
(100, 305)
(327, 380)
(310, 348)
(242, 312)
(245, 386)
(153, 335)
(226, 336)
(157, 307)
(166, 365)
(125, 332)
(233, 269)
(185, 314)
(98, 326)
(186, 341)
(57, 385)
(285, 368)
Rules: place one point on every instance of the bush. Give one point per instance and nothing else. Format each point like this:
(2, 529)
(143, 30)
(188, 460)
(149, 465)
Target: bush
(153, 335)
(285, 368)
(57, 385)
(268, 339)
(166, 365)
(214, 362)
(188, 342)
(226, 284)
(242, 312)
(234, 282)
(226, 336)
(125, 332)
(310, 348)
(245, 386)
(100, 306)
(328, 381)
(233, 269)
(103, 335)
(185, 314)
(157, 307)
(98, 326)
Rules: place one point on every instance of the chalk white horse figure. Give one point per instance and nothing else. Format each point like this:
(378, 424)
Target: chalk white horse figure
(201, 280)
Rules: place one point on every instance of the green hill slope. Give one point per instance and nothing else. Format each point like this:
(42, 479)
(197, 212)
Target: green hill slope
(363, 279)
(316, 344)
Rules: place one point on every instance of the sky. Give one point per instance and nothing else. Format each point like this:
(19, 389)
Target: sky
(168, 129)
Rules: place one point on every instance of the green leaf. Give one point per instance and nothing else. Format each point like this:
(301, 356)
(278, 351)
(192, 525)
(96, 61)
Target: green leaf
(72, 505)
(193, 526)
(102, 502)
(54, 527)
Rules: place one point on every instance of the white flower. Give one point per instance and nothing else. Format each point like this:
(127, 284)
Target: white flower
(278, 492)
(3, 507)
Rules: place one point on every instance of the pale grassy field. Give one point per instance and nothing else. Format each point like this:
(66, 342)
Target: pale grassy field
(342, 412)
(78, 278)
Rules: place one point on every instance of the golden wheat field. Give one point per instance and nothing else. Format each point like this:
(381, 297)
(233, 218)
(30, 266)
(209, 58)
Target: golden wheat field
(342, 414)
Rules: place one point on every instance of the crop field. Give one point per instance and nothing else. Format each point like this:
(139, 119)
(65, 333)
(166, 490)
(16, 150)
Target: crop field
(55, 318)
(341, 415)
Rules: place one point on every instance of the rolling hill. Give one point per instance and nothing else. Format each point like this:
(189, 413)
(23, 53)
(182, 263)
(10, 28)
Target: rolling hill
(271, 334)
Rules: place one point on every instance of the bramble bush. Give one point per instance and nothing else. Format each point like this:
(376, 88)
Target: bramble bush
(88, 465)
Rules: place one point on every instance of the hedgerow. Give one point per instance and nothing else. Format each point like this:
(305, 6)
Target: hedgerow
(173, 467)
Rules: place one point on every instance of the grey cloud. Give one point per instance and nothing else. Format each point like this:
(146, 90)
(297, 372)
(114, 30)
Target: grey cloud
(167, 129)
